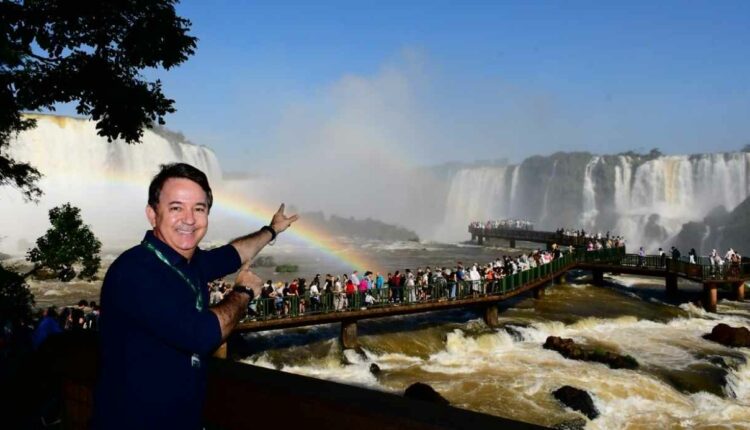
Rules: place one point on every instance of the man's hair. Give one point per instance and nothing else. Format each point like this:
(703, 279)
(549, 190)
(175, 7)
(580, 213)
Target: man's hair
(178, 170)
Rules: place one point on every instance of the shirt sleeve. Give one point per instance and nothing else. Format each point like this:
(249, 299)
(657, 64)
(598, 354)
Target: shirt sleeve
(219, 262)
(166, 314)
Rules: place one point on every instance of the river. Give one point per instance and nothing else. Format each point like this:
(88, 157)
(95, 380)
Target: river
(683, 380)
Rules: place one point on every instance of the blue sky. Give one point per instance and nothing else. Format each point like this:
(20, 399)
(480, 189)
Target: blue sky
(436, 81)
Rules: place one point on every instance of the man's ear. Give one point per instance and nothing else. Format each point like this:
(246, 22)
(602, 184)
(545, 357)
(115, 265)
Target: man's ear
(151, 215)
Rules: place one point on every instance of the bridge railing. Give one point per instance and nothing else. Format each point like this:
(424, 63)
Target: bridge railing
(445, 289)
(533, 236)
(703, 270)
(440, 290)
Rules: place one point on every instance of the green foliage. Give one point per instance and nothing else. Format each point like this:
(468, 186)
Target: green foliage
(16, 301)
(92, 52)
(69, 241)
(366, 228)
(263, 261)
(286, 268)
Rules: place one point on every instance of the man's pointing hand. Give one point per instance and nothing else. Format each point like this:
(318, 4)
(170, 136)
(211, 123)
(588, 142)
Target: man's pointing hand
(281, 222)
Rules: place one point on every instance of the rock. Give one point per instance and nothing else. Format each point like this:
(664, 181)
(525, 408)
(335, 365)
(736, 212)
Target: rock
(729, 336)
(574, 424)
(424, 392)
(568, 349)
(576, 399)
(514, 333)
(375, 369)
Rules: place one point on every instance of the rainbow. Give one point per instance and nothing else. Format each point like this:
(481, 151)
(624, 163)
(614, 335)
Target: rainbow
(238, 206)
(318, 238)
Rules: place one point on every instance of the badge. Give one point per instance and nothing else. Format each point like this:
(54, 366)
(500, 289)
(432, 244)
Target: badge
(195, 361)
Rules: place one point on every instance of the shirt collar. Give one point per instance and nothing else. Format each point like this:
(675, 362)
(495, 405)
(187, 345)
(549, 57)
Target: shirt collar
(172, 256)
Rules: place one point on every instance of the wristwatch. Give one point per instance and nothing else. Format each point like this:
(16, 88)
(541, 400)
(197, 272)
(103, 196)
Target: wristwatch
(270, 230)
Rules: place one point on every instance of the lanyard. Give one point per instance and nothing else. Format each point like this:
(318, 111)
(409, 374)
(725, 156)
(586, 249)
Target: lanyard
(199, 297)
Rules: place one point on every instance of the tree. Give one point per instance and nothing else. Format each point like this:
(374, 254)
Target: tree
(68, 242)
(89, 51)
(16, 300)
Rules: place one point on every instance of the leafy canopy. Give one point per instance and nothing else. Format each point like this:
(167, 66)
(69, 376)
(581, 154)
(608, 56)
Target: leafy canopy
(16, 300)
(69, 241)
(87, 51)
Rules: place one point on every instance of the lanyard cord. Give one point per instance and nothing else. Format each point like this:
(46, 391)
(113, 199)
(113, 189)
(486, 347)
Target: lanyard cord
(160, 256)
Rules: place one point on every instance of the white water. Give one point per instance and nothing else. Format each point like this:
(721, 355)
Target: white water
(677, 188)
(588, 216)
(475, 194)
(496, 373)
(107, 180)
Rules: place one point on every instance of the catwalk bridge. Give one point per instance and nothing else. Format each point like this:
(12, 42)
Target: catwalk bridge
(486, 295)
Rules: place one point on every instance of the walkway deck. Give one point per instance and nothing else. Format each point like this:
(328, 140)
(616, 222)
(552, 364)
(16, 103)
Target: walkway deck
(443, 296)
(480, 234)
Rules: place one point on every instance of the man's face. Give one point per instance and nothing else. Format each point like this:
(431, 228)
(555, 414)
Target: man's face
(181, 217)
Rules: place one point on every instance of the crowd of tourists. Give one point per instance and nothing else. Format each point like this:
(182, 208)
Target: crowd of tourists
(83, 316)
(590, 236)
(356, 291)
(514, 224)
(361, 290)
(729, 264)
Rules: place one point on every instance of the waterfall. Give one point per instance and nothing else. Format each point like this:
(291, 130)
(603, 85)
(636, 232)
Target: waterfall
(475, 194)
(647, 199)
(513, 188)
(588, 216)
(107, 180)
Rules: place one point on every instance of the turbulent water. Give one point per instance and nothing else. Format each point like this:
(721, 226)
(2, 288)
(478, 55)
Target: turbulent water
(683, 380)
(105, 179)
(646, 198)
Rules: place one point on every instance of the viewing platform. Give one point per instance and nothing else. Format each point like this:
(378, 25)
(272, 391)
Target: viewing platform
(480, 234)
(486, 295)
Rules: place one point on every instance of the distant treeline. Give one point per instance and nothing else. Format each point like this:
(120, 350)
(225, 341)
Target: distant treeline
(360, 228)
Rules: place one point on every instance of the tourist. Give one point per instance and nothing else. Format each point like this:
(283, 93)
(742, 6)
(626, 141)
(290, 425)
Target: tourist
(47, 327)
(153, 348)
(315, 295)
(641, 257)
(339, 297)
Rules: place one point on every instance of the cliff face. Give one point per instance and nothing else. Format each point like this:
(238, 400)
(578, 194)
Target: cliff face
(646, 197)
(719, 230)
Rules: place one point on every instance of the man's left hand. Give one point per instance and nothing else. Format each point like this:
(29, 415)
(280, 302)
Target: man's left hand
(281, 222)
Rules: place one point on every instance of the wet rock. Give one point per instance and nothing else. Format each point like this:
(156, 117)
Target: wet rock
(424, 392)
(514, 333)
(569, 349)
(729, 336)
(574, 424)
(375, 369)
(576, 399)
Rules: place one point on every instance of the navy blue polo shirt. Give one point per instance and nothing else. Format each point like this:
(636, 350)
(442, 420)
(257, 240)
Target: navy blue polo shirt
(149, 329)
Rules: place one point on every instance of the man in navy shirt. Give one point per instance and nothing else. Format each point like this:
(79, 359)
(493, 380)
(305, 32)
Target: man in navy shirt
(156, 327)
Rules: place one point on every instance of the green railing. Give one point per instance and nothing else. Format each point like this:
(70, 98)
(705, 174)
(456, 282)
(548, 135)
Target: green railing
(534, 236)
(442, 289)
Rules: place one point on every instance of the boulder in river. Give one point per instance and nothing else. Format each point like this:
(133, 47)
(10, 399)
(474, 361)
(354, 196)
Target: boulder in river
(576, 399)
(569, 349)
(425, 393)
(374, 369)
(730, 336)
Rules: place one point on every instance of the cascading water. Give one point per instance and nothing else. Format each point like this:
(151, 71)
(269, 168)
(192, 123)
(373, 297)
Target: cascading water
(105, 179)
(588, 216)
(647, 199)
(474, 194)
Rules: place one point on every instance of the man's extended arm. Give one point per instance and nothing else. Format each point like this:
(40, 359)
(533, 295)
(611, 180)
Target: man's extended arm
(230, 311)
(249, 246)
